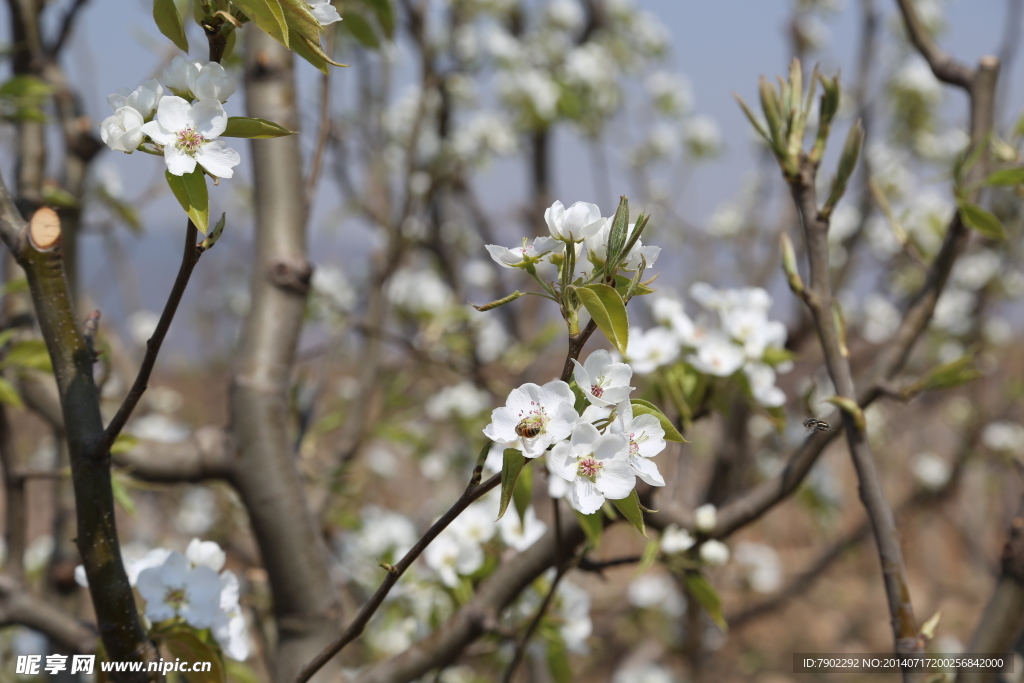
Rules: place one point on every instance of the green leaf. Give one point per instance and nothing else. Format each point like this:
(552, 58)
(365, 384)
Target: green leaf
(623, 282)
(190, 191)
(9, 395)
(617, 235)
(30, 354)
(630, 509)
(165, 14)
(245, 127)
(707, 597)
(592, 525)
(985, 222)
(606, 308)
(648, 557)
(362, 30)
(500, 302)
(311, 51)
(1008, 177)
(642, 407)
(268, 15)
(522, 494)
(301, 20)
(183, 643)
(950, 375)
(121, 495)
(385, 16)
(511, 466)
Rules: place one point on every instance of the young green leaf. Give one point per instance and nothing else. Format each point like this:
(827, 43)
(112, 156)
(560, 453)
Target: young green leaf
(121, 495)
(642, 407)
(268, 15)
(511, 466)
(500, 302)
(558, 657)
(606, 308)
(30, 354)
(361, 29)
(190, 191)
(617, 235)
(707, 597)
(245, 127)
(630, 509)
(1007, 177)
(165, 14)
(985, 222)
(185, 644)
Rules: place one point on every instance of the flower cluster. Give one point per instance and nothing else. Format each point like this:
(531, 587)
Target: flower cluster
(190, 588)
(181, 118)
(579, 225)
(598, 455)
(733, 333)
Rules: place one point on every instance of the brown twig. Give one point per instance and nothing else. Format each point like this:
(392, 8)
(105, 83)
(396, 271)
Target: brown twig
(944, 66)
(189, 259)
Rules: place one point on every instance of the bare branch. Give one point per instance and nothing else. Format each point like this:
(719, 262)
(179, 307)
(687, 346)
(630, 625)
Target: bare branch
(207, 455)
(944, 66)
(19, 606)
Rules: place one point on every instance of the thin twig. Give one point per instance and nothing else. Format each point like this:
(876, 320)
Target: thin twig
(189, 258)
(944, 66)
(66, 27)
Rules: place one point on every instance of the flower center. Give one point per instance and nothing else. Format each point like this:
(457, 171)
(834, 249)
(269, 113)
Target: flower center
(635, 441)
(597, 390)
(189, 140)
(589, 466)
(175, 597)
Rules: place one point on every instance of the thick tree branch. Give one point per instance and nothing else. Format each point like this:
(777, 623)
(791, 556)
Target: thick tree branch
(19, 606)
(208, 454)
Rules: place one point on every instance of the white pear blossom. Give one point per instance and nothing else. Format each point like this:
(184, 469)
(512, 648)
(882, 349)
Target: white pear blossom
(714, 553)
(521, 534)
(205, 554)
(718, 356)
(931, 471)
(143, 99)
(521, 257)
(648, 351)
(176, 589)
(229, 627)
(475, 525)
(458, 400)
(671, 313)
(323, 11)
(577, 223)
(451, 558)
(188, 134)
(573, 608)
(762, 385)
(604, 382)
(213, 82)
(762, 566)
(1004, 436)
(180, 76)
(705, 518)
(675, 540)
(646, 439)
(656, 591)
(122, 132)
(597, 466)
(536, 416)
(597, 247)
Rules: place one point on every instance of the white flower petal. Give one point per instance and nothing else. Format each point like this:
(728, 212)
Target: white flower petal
(646, 470)
(178, 163)
(585, 496)
(209, 118)
(218, 159)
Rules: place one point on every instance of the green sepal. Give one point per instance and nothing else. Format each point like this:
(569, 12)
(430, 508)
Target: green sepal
(190, 191)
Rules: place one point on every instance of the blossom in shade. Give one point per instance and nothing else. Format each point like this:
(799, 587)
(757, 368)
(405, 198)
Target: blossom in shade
(596, 465)
(604, 382)
(536, 416)
(177, 589)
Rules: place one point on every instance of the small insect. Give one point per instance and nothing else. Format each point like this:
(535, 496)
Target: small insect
(816, 425)
(528, 429)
